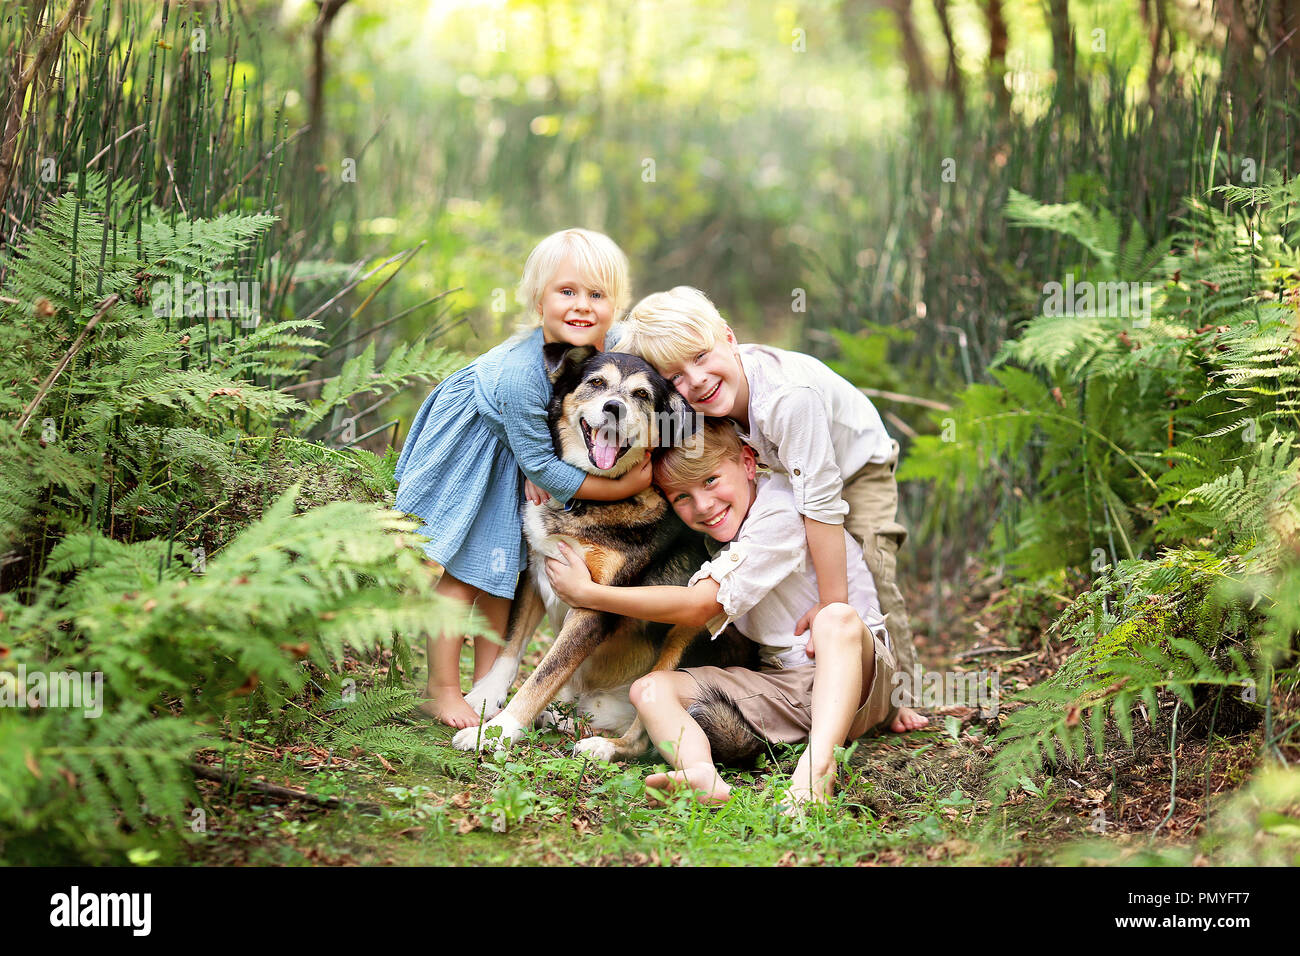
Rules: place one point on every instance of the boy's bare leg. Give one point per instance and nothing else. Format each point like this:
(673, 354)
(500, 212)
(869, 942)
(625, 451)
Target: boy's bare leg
(445, 701)
(845, 666)
(659, 700)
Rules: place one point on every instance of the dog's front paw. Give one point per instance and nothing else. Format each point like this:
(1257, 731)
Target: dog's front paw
(488, 695)
(481, 738)
(602, 748)
(485, 702)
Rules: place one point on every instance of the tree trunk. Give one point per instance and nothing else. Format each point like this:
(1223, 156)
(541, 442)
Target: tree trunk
(329, 9)
(952, 78)
(919, 79)
(1063, 51)
(1155, 14)
(997, 68)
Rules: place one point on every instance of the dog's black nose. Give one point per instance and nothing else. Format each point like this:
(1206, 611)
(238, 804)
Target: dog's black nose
(614, 409)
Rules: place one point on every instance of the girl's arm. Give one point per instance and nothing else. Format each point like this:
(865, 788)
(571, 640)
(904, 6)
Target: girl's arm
(695, 605)
(596, 488)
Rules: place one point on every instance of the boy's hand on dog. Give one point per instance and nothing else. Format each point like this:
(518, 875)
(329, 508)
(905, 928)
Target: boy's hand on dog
(534, 494)
(569, 576)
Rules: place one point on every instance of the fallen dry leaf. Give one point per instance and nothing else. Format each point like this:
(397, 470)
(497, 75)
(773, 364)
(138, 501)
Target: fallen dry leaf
(247, 687)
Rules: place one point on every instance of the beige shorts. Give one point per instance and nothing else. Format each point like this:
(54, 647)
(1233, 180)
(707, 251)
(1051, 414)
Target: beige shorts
(778, 701)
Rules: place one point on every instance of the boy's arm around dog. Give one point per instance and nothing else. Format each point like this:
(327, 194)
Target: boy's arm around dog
(695, 605)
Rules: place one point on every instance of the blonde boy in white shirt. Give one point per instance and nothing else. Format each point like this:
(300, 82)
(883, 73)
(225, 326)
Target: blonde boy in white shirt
(828, 684)
(803, 420)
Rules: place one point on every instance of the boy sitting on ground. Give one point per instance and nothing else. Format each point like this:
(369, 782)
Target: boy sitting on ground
(762, 581)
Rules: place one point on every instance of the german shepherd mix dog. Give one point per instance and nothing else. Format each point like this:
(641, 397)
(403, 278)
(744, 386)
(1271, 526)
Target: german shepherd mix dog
(608, 411)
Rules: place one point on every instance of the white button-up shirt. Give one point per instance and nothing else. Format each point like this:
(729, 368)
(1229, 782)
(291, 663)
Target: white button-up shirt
(766, 580)
(811, 424)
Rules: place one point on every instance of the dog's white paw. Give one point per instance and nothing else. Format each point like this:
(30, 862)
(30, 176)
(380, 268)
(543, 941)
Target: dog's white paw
(476, 738)
(488, 695)
(484, 702)
(602, 748)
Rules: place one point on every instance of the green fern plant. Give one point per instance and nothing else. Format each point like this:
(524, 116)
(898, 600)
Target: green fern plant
(375, 721)
(121, 421)
(1171, 625)
(1174, 435)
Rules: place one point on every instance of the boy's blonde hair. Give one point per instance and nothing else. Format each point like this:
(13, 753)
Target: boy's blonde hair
(598, 258)
(669, 328)
(699, 456)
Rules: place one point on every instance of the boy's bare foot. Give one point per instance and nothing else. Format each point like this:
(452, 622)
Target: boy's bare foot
(446, 705)
(806, 787)
(703, 779)
(908, 719)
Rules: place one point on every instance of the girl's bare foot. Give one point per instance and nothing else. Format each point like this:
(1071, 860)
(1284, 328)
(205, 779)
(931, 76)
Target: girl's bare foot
(447, 705)
(908, 719)
(706, 786)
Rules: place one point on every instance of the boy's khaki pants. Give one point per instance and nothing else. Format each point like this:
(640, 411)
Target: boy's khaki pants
(872, 496)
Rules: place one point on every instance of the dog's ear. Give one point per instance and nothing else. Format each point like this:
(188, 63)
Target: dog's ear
(563, 359)
(677, 420)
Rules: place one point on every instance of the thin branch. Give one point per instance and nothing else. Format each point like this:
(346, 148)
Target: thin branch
(63, 363)
(287, 793)
(94, 159)
(906, 399)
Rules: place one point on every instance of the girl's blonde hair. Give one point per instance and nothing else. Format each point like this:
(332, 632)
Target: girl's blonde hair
(669, 328)
(699, 456)
(598, 258)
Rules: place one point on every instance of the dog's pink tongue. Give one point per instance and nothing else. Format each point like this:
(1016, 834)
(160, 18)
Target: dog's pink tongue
(605, 455)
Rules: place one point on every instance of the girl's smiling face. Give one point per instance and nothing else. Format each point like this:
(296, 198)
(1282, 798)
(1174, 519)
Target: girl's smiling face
(573, 310)
(712, 380)
(718, 503)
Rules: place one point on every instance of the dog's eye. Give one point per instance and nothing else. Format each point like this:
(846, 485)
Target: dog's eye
(642, 394)
(596, 382)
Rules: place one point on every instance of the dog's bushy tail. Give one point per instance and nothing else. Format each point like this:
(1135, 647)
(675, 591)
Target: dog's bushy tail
(732, 738)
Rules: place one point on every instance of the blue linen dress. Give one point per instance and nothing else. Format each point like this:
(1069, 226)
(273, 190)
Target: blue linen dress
(459, 470)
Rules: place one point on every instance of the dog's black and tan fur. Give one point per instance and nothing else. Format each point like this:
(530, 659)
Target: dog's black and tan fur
(608, 397)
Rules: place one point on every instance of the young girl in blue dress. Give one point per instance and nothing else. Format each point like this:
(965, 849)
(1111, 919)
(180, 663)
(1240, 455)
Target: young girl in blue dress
(480, 442)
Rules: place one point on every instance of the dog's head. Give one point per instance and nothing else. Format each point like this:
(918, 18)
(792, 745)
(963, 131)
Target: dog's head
(609, 409)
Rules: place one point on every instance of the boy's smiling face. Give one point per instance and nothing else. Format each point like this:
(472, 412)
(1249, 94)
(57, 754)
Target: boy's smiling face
(718, 503)
(713, 380)
(573, 310)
